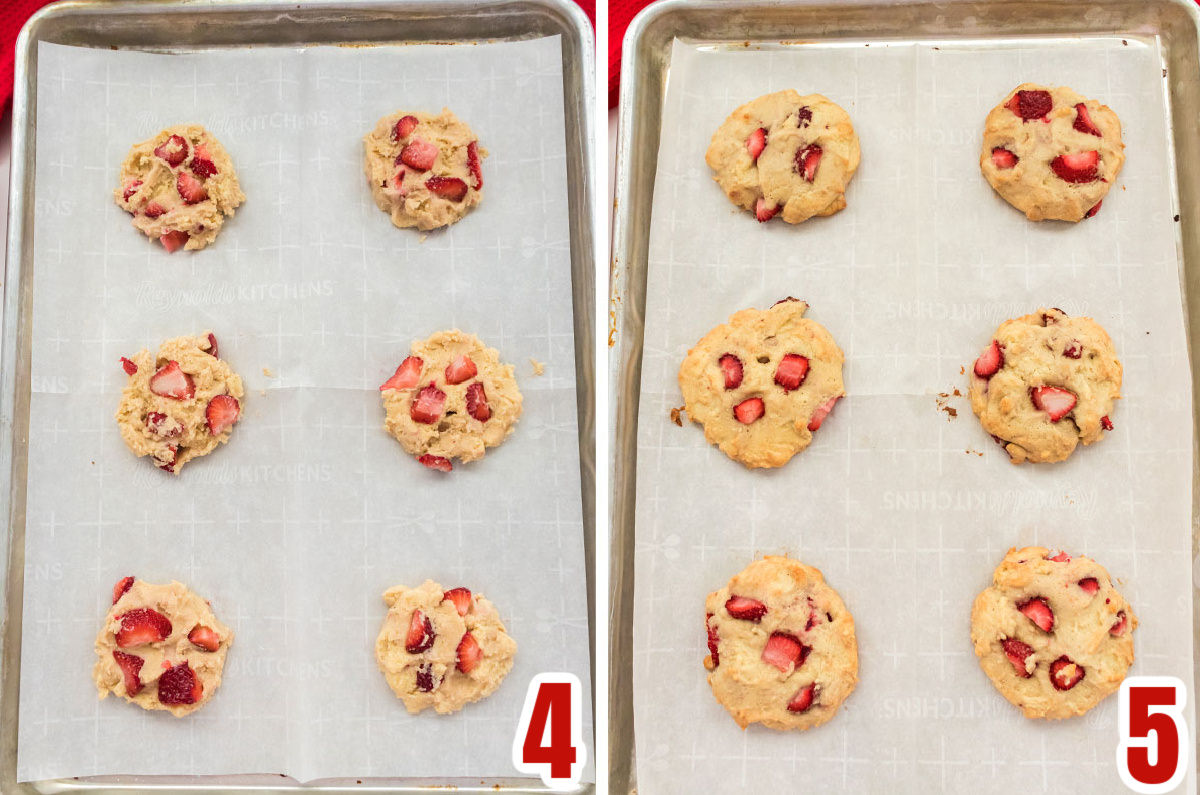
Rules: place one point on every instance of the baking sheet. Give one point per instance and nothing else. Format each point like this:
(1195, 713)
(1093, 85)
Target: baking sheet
(906, 509)
(295, 528)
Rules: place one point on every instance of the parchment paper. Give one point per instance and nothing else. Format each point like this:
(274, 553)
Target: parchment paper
(295, 528)
(905, 509)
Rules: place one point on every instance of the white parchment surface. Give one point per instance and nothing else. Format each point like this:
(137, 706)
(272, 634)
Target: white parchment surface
(295, 528)
(906, 509)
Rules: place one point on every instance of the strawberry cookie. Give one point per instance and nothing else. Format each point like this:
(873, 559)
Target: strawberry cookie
(785, 154)
(1045, 383)
(424, 171)
(450, 398)
(442, 649)
(161, 647)
(762, 384)
(179, 404)
(1052, 633)
(179, 186)
(1051, 153)
(782, 650)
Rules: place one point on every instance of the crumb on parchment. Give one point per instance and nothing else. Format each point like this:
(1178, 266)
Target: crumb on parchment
(675, 416)
(538, 367)
(267, 372)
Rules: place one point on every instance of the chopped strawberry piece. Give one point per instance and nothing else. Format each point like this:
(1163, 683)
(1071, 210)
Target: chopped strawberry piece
(155, 421)
(142, 625)
(129, 367)
(468, 653)
(1061, 557)
(807, 160)
(123, 585)
(425, 681)
(204, 637)
(1077, 167)
(1038, 611)
(1003, 159)
(1090, 584)
(1073, 350)
(174, 150)
(131, 188)
(473, 164)
(419, 154)
(791, 372)
(1083, 121)
(749, 410)
(190, 188)
(404, 127)
(436, 462)
(990, 361)
(420, 633)
(131, 666)
(821, 413)
(1095, 209)
(407, 375)
(427, 405)
(788, 300)
(398, 182)
(173, 240)
(461, 598)
(164, 464)
(1119, 626)
(1065, 673)
(731, 366)
(222, 412)
(154, 210)
(1054, 401)
(802, 700)
(170, 381)
(1106, 423)
(1018, 653)
(757, 142)
(784, 651)
(213, 350)
(202, 167)
(477, 402)
(180, 685)
(1031, 104)
(713, 640)
(745, 608)
(763, 212)
(451, 188)
(461, 369)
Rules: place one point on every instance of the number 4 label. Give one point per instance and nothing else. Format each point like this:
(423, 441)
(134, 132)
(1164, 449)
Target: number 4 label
(549, 739)
(1152, 705)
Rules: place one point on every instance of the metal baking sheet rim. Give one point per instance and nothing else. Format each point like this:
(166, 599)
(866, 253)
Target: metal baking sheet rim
(645, 63)
(450, 21)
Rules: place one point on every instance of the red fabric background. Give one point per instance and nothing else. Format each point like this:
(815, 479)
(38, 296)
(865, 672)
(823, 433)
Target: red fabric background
(620, 14)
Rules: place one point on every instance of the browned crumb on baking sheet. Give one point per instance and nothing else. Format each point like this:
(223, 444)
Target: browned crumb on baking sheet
(943, 403)
(676, 413)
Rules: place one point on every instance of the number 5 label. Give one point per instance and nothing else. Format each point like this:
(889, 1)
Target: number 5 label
(549, 740)
(1152, 705)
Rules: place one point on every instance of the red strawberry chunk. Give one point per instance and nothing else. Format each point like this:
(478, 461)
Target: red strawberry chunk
(784, 651)
(191, 189)
(1095, 209)
(173, 240)
(757, 142)
(731, 366)
(765, 212)
(171, 381)
(204, 637)
(154, 210)
(1077, 167)
(180, 685)
(807, 160)
(990, 361)
(461, 598)
(131, 666)
(1073, 350)
(461, 369)
(821, 413)
(468, 653)
(1003, 159)
(427, 405)
(174, 150)
(407, 375)
(1054, 401)
(1065, 673)
(420, 633)
(203, 168)
(212, 345)
(451, 188)
(1031, 104)
(791, 372)
(222, 412)
(155, 421)
(404, 127)
(425, 681)
(1018, 653)
(419, 154)
(131, 188)
(473, 164)
(166, 465)
(436, 462)
(477, 402)
(1083, 121)
(749, 410)
(1061, 557)
(1106, 423)
(129, 367)
(142, 625)
(1119, 626)
(1090, 584)
(802, 700)
(745, 608)
(123, 585)
(713, 640)
(1038, 611)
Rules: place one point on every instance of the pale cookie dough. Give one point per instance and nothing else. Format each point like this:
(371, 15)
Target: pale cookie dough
(424, 170)
(179, 186)
(450, 398)
(1046, 383)
(763, 383)
(785, 152)
(1052, 153)
(161, 647)
(179, 404)
(442, 649)
(1052, 633)
(782, 650)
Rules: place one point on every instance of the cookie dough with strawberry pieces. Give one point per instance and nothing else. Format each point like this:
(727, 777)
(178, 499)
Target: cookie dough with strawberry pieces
(161, 647)
(1052, 633)
(424, 170)
(782, 649)
(180, 403)
(1052, 153)
(442, 649)
(450, 398)
(1045, 383)
(179, 186)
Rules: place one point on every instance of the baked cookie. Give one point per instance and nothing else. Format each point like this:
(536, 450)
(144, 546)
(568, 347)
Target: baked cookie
(763, 383)
(161, 647)
(1052, 633)
(442, 649)
(424, 170)
(1045, 383)
(179, 404)
(450, 398)
(785, 153)
(179, 186)
(782, 646)
(1052, 153)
